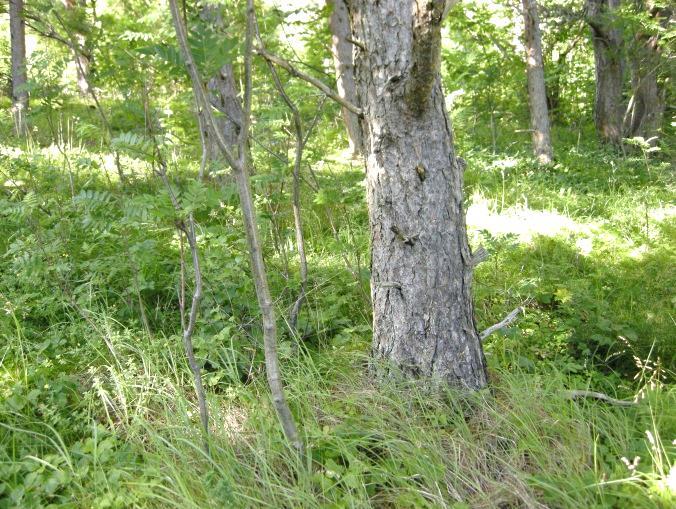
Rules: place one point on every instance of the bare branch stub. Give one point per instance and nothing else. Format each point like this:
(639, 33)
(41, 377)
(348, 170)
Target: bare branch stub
(506, 322)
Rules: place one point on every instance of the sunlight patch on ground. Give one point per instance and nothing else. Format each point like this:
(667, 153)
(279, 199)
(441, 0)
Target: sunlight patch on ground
(662, 213)
(525, 223)
(232, 419)
(11, 152)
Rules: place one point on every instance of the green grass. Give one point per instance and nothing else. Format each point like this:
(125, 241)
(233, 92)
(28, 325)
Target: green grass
(129, 438)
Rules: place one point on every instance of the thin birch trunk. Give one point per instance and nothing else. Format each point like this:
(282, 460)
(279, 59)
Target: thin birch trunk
(342, 47)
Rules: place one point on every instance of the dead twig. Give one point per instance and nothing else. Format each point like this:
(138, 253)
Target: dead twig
(506, 322)
(577, 394)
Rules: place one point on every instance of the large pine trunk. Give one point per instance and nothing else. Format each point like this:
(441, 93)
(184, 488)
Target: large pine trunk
(421, 266)
(537, 94)
(19, 77)
(609, 69)
(341, 48)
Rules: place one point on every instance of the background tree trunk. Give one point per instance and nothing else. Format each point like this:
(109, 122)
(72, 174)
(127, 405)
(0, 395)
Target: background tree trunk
(341, 48)
(645, 111)
(421, 266)
(608, 59)
(222, 96)
(646, 108)
(537, 95)
(19, 75)
(80, 53)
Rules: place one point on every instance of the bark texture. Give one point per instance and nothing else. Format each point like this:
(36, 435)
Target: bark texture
(423, 321)
(222, 95)
(19, 77)
(609, 69)
(224, 98)
(343, 61)
(537, 94)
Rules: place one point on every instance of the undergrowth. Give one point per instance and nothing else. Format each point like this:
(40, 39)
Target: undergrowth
(97, 407)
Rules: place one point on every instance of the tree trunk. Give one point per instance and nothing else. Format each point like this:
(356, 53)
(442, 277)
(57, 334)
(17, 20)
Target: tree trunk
(645, 111)
(80, 51)
(341, 48)
(608, 59)
(537, 95)
(222, 96)
(19, 76)
(421, 267)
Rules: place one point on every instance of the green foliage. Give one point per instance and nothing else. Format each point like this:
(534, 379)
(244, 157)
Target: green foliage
(97, 403)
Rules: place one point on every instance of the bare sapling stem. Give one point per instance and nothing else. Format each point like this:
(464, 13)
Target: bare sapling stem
(297, 219)
(240, 165)
(186, 227)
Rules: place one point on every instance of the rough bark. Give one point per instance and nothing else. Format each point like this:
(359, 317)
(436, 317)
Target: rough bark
(222, 96)
(19, 77)
(646, 108)
(609, 69)
(342, 49)
(537, 94)
(423, 323)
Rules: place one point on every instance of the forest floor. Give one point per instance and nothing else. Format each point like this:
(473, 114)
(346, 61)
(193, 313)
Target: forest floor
(97, 406)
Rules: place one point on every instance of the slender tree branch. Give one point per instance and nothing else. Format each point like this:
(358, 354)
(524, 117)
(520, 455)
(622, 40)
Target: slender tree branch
(306, 77)
(300, 144)
(188, 229)
(49, 31)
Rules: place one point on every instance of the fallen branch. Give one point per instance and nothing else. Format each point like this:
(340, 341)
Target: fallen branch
(572, 394)
(274, 59)
(577, 394)
(508, 320)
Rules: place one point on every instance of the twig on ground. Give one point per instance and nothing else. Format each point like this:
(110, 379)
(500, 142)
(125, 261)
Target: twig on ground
(577, 394)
